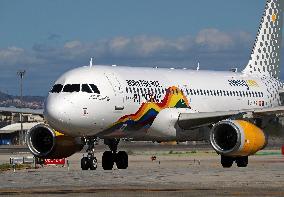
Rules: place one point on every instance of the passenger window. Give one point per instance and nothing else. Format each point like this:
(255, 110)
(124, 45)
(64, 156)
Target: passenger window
(86, 88)
(95, 89)
(71, 88)
(56, 88)
(187, 92)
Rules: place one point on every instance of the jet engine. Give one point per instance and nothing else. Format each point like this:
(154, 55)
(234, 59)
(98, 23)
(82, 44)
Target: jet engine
(45, 142)
(237, 138)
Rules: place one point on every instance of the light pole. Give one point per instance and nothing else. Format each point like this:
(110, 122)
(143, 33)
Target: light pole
(21, 74)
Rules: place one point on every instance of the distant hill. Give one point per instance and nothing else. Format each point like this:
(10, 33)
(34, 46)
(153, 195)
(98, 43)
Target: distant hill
(4, 96)
(35, 102)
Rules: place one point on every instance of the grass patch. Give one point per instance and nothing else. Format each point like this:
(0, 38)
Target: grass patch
(7, 166)
(263, 153)
(176, 153)
(182, 152)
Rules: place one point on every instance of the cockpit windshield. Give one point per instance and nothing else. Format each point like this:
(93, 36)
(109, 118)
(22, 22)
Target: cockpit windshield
(56, 88)
(88, 88)
(95, 89)
(71, 88)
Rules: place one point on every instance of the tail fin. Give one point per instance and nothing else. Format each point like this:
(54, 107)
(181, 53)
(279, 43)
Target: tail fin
(265, 56)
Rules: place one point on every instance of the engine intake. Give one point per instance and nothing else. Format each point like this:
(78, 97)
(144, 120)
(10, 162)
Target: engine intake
(237, 138)
(44, 142)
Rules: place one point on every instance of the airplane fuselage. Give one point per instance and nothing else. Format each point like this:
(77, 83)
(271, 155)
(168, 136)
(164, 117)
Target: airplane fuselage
(126, 100)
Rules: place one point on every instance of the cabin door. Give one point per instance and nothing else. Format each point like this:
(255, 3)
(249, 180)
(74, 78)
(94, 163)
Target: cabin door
(118, 91)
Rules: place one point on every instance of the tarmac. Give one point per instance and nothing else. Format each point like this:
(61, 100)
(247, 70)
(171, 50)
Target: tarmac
(177, 171)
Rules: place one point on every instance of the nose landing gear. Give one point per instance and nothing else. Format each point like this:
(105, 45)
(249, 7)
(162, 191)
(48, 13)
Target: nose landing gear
(111, 157)
(89, 161)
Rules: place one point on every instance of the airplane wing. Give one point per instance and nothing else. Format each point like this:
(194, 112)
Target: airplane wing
(22, 110)
(279, 110)
(195, 120)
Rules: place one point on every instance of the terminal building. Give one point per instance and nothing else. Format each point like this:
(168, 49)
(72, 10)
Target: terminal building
(10, 126)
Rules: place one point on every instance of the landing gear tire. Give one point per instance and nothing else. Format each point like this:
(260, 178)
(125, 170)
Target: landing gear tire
(84, 163)
(93, 163)
(226, 161)
(89, 162)
(121, 160)
(107, 160)
(112, 156)
(242, 161)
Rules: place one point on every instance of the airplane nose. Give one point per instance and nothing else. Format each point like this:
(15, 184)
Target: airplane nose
(54, 111)
(64, 114)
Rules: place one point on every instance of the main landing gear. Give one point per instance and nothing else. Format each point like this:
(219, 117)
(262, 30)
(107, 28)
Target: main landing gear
(227, 161)
(112, 156)
(89, 161)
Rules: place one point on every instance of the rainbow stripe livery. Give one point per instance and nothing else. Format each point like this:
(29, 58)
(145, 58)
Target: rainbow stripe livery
(148, 111)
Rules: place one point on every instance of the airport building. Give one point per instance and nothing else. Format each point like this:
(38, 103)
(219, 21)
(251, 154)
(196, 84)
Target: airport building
(10, 126)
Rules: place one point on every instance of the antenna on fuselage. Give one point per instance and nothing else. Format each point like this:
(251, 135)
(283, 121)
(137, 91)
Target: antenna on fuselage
(91, 61)
(198, 66)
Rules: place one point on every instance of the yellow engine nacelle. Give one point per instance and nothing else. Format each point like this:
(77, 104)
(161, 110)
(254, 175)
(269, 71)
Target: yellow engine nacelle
(237, 138)
(44, 142)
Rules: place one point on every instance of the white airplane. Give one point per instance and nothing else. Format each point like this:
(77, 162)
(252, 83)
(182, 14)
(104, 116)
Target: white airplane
(160, 104)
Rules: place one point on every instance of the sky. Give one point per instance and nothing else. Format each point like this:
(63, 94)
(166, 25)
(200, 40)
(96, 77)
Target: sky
(47, 38)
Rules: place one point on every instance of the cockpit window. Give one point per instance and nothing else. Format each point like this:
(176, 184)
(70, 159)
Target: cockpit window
(71, 88)
(56, 88)
(86, 88)
(95, 88)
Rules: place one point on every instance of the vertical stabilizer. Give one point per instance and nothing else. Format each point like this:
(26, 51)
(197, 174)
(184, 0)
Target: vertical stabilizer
(265, 56)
